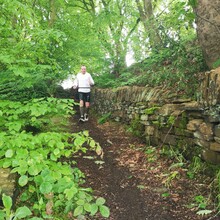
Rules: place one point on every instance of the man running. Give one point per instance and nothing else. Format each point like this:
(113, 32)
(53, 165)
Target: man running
(83, 82)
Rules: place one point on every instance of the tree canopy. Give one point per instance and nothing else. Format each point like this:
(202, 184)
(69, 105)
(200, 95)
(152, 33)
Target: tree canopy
(44, 41)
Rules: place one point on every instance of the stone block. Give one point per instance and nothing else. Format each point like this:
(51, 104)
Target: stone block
(183, 132)
(152, 140)
(194, 124)
(198, 135)
(144, 117)
(189, 142)
(211, 156)
(217, 131)
(214, 118)
(167, 130)
(145, 123)
(217, 139)
(202, 143)
(190, 106)
(214, 146)
(149, 130)
(153, 117)
(168, 109)
(177, 113)
(206, 129)
(195, 114)
(168, 139)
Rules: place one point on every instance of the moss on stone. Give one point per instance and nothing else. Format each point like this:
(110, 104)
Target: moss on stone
(156, 123)
(171, 120)
(183, 121)
(136, 128)
(150, 111)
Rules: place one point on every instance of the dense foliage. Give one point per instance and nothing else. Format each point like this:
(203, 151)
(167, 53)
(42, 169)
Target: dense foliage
(44, 41)
(34, 148)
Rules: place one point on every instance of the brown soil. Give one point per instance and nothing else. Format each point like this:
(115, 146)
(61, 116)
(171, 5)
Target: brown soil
(136, 185)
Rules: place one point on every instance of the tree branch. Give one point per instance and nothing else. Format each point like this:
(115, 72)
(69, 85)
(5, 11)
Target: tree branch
(133, 29)
(210, 22)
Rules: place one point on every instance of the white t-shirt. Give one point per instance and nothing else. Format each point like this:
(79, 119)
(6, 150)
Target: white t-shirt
(83, 82)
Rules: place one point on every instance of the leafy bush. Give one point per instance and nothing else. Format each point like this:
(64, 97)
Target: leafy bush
(106, 80)
(176, 66)
(48, 185)
(36, 114)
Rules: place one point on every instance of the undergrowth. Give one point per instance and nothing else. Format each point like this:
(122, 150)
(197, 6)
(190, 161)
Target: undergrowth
(202, 202)
(34, 149)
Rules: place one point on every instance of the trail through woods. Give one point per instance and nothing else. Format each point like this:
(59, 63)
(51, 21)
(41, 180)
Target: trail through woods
(136, 185)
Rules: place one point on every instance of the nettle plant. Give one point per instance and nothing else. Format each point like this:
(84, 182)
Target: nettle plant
(48, 184)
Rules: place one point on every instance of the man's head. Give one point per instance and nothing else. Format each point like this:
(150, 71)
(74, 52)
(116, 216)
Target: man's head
(83, 69)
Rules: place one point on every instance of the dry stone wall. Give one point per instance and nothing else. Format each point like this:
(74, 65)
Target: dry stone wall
(166, 118)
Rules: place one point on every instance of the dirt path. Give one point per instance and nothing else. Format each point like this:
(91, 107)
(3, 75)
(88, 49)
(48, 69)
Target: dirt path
(132, 186)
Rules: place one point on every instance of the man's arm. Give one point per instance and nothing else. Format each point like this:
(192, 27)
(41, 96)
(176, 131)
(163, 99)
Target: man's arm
(91, 81)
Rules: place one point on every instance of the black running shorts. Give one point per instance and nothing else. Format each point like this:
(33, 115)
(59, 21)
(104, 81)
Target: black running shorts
(84, 96)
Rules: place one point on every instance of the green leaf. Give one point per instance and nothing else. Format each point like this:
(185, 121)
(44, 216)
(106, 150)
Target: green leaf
(60, 145)
(100, 201)
(166, 194)
(53, 157)
(6, 164)
(78, 211)
(7, 201)
(23, 180)
(104, 210)
(87, 207)
(9, 153)
(94, 209)
(22, 212)
(204, 212)
(92, 143)
(56, 151)
(86, 133)
(70, 193)
(36, 218)
(80, 202)
(67, 153)
(25, 196)
(45, 187)
(2, 214)
(34, 170)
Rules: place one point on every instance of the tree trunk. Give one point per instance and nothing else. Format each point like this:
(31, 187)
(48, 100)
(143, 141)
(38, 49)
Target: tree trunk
(52, 17)
(147, 18)
(208, 29)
